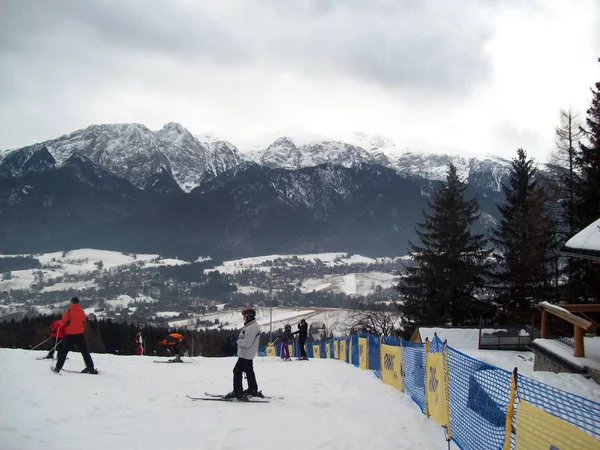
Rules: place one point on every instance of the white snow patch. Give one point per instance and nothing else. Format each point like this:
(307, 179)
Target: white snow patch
(590, 344)
(350, 284)
(329, 259)
(168, 314)
(586, 239)
(336, 404)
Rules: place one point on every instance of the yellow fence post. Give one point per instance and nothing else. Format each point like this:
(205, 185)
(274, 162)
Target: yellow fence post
(511, 409)
(363, 353)
(447, 374)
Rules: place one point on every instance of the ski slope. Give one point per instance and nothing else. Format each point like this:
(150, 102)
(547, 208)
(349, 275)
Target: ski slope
(137, 404)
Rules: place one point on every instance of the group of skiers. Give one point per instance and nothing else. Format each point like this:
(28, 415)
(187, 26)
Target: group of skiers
(288, 337)
(69, 331)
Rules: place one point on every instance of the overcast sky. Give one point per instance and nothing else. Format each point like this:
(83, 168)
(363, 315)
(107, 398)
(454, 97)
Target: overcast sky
(429, 74)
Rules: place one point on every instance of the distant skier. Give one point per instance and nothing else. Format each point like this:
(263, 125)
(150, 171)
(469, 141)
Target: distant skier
(302, 333)
(247, 347)
(57, 332)
(175, 344)
(139, 342)
(74, 321)
(286, 340)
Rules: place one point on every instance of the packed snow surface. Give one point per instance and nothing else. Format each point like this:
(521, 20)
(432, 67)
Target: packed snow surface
(137, 404)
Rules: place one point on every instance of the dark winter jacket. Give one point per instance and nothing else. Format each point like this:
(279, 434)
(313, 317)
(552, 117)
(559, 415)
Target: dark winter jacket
(287, 335)
(302, 330)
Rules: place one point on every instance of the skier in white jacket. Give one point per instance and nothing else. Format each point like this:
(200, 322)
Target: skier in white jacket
(247, 347)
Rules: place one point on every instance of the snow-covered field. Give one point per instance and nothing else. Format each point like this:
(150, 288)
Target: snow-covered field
(351, 284)
(136, 404)
(85, 261)
(328, 259)
(81, 261)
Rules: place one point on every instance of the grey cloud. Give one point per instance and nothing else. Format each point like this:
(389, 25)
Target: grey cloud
(513, 137)
(415, 47)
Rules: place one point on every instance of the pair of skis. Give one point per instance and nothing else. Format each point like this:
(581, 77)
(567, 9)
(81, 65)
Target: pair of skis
(172, 361)
(221, 397)
(71, 371)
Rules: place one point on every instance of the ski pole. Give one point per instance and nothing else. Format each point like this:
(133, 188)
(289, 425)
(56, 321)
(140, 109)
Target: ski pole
(54, 348)
(56, 345)
(38, 345)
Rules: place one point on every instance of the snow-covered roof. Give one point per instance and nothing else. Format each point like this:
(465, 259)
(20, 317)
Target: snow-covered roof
(586, 243)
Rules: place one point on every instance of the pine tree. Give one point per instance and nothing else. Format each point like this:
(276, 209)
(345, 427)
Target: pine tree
(450, 264)
(586, 278)
(524, 239)
(588, 164)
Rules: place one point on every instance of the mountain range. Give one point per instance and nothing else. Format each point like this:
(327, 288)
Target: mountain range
(125, 187)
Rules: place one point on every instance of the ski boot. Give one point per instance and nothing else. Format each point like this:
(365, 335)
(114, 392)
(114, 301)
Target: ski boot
(234, 395)
(91, 371)
(248, 393)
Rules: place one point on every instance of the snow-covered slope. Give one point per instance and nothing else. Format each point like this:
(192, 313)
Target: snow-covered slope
(335, 321)
(287, 153)
(136, 153)
(136, 404)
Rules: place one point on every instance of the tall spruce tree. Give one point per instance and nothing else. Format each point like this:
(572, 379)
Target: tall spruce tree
(587, 202)
(524, 240)
(588, 164)
(451, 264)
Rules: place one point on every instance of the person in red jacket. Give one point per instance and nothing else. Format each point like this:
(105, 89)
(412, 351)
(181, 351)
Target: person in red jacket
(74, 321)
(139, 342)
(175, 344)
(57, 332)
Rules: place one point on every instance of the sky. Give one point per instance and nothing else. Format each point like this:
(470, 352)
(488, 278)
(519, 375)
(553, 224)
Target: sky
(432, 75)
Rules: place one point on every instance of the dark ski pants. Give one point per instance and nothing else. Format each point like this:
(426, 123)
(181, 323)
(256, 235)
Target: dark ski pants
(302, 349)
(57, 348)
(244, 366)
(68, 342)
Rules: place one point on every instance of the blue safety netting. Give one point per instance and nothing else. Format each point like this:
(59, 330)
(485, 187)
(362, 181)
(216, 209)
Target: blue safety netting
(413, 356)
(355, 356)
(391, 340)
(374, 354)
(576, 410)
(479, 394)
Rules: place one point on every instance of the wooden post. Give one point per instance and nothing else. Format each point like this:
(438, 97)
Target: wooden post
(579, 349)
(544, 323)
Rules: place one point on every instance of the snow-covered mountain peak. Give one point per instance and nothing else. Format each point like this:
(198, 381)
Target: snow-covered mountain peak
(134, 152)
(174, 132)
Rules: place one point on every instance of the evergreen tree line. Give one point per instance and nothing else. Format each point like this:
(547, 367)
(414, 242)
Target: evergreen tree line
(107, 336)
(460, 277)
